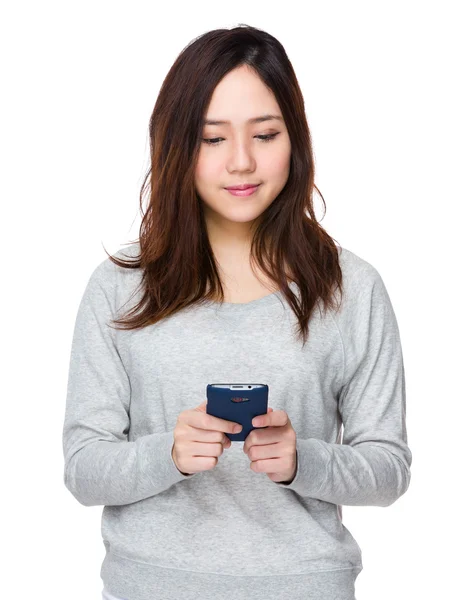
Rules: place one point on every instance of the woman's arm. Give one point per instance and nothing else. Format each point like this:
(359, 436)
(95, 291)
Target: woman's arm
(372, 465)
(101, 466)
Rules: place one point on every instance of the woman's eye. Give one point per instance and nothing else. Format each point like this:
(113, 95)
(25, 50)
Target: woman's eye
(263, 138)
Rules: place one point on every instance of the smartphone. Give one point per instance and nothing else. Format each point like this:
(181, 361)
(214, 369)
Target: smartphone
(238, 402)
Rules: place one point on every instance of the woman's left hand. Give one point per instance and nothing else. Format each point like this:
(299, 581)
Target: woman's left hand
(273, 450)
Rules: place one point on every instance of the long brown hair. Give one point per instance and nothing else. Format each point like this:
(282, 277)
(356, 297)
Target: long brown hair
(179, 268)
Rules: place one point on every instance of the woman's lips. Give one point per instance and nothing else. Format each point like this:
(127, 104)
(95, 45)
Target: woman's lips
(246, 192)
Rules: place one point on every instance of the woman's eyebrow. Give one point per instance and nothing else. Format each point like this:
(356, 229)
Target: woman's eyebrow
(253, 120)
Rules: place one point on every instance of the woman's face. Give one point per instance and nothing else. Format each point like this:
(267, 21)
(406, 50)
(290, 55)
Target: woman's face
(237, 155)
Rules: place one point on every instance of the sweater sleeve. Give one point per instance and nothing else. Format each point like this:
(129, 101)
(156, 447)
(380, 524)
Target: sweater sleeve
(101, 466)
(371, 467)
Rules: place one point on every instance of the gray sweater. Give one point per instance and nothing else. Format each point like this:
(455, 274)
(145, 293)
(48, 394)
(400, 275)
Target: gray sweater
(230, 531)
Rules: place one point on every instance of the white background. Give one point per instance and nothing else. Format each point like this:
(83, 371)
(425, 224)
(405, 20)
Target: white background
(388, 92)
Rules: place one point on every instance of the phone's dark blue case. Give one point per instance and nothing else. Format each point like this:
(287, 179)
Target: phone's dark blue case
(240, 405)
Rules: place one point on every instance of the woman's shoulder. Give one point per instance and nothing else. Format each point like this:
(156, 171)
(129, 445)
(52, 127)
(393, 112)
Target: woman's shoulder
(112, 278)
(354, 267)
(107, 268)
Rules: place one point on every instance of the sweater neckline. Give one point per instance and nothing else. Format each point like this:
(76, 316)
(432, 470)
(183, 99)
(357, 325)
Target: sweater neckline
(242, 307)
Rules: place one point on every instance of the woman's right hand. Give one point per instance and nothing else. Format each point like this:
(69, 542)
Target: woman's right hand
(199, 439)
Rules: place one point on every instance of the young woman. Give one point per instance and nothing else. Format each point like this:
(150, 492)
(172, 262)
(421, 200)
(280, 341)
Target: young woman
(234, 287)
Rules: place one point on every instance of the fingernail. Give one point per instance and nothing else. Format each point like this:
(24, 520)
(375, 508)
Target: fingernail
(237, 428)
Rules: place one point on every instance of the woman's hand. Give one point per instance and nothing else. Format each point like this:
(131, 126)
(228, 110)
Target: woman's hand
(273, 450)
(199, 440)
